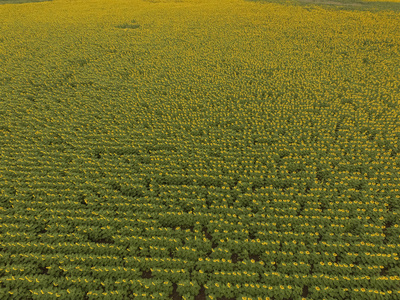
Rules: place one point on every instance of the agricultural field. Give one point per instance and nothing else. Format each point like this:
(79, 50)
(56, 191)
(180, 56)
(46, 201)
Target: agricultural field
(199, 149)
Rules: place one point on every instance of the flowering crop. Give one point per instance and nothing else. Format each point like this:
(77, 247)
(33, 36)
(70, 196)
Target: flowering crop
(198, 147)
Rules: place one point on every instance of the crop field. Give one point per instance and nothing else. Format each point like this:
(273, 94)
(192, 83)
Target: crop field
(199, 149)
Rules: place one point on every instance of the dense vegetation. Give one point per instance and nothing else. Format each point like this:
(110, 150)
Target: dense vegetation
(204, 149)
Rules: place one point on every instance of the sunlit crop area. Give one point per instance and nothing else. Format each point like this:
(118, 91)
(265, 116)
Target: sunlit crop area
(198, 149)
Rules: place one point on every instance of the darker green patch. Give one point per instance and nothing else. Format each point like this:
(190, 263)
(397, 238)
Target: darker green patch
(131, 25)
